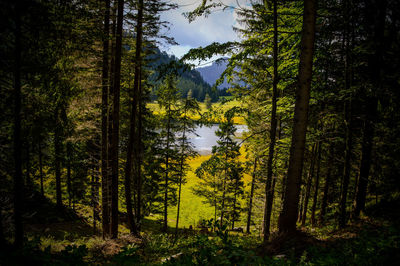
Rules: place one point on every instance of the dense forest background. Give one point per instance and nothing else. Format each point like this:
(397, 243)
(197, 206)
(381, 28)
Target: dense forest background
(96, 161)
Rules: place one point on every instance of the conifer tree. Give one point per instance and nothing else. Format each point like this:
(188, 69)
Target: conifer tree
(221, 175)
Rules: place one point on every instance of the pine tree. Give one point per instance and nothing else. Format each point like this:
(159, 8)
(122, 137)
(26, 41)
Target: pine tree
(221, 175)
(207, 101)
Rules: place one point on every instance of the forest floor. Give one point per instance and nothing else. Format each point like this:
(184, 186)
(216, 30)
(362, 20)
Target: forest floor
(65, 237)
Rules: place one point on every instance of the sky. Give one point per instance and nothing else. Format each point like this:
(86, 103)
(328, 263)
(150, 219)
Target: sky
(217, 27)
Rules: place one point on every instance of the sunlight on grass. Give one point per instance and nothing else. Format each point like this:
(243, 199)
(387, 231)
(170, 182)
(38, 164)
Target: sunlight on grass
(192, 207)
(155, 108)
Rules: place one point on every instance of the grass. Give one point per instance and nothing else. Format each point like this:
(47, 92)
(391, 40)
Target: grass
(192, 207)
(221, 107)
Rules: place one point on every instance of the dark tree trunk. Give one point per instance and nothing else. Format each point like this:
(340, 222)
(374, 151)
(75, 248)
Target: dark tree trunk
(224, 190)
(309, 183)
(272, 133)
(137, 84)
(69, 188)
(2, 239)
(95, 196)
(348, 121)
(18, 183)
(181, 164)
(301, 203)
(41, 167)
(132, 133)
(316, 186)
(115, 136)
(234, 204)
(326, 186)
(377, 23)
(29, 181)
(105, 184)
(270, 198)
(110, 112)
(165, 225)
(139, 156)
(253, 181)
(57, 157)
(288, 216)
(284, 183)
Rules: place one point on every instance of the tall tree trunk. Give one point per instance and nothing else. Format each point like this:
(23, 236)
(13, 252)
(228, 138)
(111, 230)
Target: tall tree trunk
(348, 121)
(270, 196)
(139, 157)
(347, 168)
(288, 216)
(2, 239)
(132, 132)
(224, 189)
(40, 167)
(234, 203)
(253, 181)
(110, 110)
(181, 172)
(95, 196)
(326, 186)
(18, 183)
(272, 133)
(316, 186)
(29, 181)
(309, 183)
(57, 157)
(105, 184)
(284, 183)
(165, 226)
(115, 136)
(301, 203)
(375, 62)
(69, 188)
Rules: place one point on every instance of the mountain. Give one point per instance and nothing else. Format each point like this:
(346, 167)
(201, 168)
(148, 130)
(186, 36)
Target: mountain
(211, 73)
(188, 79)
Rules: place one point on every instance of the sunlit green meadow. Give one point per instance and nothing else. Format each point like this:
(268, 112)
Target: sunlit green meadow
(155, 108)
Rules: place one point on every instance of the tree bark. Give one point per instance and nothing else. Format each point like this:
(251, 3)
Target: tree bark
(110, 131)
(253, 181)
(115, 136)
(348, 121)
(301, 203)
(375, 68)
(95, 196)
(181, 163)
(326, 186)
(224, 189)
(40, 167)
(272, 133)
(18, 183)
(28, 181)
(139, 157)
(132, 131)
(165, 226)
(105, 184)
(316, 186)
(309, 183)
(57, 157)
(69, 188)
(2, 239)
(288, 216)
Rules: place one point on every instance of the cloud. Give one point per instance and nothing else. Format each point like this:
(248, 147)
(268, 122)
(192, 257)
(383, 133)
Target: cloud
(217, 27)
